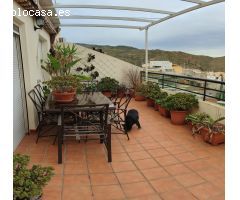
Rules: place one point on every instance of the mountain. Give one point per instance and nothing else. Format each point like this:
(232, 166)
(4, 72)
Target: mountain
(137, 57)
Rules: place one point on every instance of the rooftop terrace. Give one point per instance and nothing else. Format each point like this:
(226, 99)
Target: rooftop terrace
(160, 161)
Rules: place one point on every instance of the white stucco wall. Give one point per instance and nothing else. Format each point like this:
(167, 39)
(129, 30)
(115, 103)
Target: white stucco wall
(31, 65)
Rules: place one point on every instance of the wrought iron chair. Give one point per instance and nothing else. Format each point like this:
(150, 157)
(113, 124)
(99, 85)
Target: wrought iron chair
(118, 116)
(90, 122)
(39, 90)
(44, 118)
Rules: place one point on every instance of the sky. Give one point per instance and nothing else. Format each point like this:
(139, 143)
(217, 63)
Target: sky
(200, 32)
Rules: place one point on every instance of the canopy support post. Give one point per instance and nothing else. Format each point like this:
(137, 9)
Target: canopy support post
(146, 54)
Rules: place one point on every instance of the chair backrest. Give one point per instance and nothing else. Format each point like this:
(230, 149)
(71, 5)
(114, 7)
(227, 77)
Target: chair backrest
(39, 91)
(37, 101)
(124, 101)
(86, 113)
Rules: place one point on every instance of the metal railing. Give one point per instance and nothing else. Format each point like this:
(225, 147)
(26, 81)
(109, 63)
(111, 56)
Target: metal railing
(205, 88)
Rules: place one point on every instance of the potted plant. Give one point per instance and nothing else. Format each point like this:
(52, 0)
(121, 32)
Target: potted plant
(195, 121)
(58, 64)
(179, 105)
(213, 132)
(28, 183)
(152, 92)
(140, 90)
(160, 101)
(108, 86)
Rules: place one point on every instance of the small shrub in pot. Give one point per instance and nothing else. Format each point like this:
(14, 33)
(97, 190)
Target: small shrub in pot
(140, 92)
(179, 105)
(152, 92)
(28, 183)
(108, 86)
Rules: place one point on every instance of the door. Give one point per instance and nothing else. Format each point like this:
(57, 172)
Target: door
(20, 121)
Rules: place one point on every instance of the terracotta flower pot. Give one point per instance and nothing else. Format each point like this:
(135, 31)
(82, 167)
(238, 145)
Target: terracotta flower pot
(156, 107)
(178, 117)
(64, 97)
(163, 111)
(150, 102)
(139, 98)
(107, 93)
(214, 139)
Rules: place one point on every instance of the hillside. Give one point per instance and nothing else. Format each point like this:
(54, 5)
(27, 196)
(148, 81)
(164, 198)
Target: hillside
(137, 56)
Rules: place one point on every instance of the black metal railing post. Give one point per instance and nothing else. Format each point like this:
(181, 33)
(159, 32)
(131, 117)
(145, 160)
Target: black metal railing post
(204, 90)
(162, 81)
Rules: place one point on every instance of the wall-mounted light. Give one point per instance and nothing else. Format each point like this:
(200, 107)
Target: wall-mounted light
(39, 23)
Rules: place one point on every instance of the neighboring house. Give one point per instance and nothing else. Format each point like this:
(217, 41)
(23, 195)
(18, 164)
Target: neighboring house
(160, 66)
(177, 69)
(29, 48)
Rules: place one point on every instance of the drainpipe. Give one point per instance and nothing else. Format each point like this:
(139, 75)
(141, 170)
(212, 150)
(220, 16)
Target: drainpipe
(146, 54)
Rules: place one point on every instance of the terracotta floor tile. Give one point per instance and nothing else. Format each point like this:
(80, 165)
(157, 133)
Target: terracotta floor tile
(133, 148)
(205, 191)
(187, 156)
(118, 157)
(147, 197)
(146, 163)
(108, 192)
(75, 168)
(177, 169)
(167, 160)
(58, 169)
(151, 145)
(99, 167)
(129, 177)
(76, 180)
(197, 165)
(76, 193)
(178, 194)
(154, 173)
(158, 152)
(165, 184)
(137, 189)
(210, 174)
(103, 179)
(139, 155)
(56, 181)
(176, 149)
(52, 193)
(74, 158)
(189, 179)
(123, 166)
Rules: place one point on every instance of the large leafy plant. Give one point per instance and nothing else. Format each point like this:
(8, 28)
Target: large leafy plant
(60, 60)
(28, 183)
(108, 84)
(161, 98)
(181, 102)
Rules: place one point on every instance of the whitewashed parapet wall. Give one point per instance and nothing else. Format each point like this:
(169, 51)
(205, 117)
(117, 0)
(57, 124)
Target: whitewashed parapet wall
(107, 65)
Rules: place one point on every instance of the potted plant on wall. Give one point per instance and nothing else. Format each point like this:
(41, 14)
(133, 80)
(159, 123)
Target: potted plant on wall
(28, 183)
(108, 86)
(59, 64)
(179, 105)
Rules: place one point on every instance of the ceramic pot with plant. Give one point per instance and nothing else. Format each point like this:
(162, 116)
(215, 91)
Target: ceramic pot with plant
(59, 64)
(152, 92)
(179, 105)
(28, 182)
(159, 101)
(139, 92)
(64, 87)
(108, 86)
(195, 121)
(213, 132)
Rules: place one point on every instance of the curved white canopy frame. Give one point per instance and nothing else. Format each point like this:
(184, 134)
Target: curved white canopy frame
(151, 22)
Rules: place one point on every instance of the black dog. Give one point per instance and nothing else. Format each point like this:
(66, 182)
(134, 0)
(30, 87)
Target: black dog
(131, 119)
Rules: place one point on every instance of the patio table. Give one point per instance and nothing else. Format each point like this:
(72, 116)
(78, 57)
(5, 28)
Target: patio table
(81, 99)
